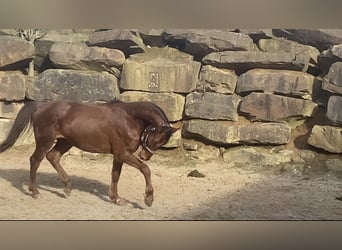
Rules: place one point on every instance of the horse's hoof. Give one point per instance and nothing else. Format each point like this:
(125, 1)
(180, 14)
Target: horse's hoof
(67, 191)
(119, 201)
(36, 196)
(67, 188)
(149, 200)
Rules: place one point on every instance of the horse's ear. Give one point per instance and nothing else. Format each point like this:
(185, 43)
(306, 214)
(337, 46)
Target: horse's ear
(173, 130)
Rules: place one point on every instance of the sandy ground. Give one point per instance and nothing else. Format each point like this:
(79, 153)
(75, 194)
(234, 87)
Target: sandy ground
(223, 194)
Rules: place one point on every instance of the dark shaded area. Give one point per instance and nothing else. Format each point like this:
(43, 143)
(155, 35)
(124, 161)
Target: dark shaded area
(301, 197)
(48, 181)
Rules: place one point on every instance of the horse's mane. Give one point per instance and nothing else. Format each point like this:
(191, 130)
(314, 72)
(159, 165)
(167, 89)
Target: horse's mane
(114, 101)
(161, 112)
(145, 115)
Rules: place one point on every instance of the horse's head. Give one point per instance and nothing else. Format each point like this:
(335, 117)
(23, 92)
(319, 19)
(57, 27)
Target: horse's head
(153, 138)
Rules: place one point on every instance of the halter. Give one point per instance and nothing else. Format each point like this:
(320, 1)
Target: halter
(144, 138)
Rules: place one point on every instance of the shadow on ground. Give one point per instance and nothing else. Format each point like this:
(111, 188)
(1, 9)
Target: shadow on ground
(278, 197)
(47, 181)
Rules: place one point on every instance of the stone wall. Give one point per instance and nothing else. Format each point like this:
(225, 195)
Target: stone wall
(224, 87)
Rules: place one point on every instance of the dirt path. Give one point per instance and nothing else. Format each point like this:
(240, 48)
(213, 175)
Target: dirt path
(224, 194)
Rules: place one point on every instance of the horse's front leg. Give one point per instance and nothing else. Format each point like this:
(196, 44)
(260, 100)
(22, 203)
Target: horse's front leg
(145, 170)
(113, 190)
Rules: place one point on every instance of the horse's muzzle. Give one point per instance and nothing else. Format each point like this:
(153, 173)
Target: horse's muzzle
(145, 155)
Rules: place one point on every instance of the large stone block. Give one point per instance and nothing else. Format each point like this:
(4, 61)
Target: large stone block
(232, 133)
(326, 137)
(153, 37)
(160, 70)
(335, 74)
(74, 85)
(283, 45)
(212, 106)
(175, 140)
(334, 110)
(257, 34)
(80, 56)
(319, 38)
(15, 53)
(284, 82)
(177, 37)
(43, 45)
(269, 107)
(329, 57)
(27, 138)
(9, 110)
(242, 61)
(12, 86)
(125, 40)
(202, 42)
(172, 104)
(332, 82)
(217, 80)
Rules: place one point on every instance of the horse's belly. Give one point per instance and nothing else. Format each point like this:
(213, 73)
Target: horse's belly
(89, 140)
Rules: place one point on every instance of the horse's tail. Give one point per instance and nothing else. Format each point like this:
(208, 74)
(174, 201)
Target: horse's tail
(21, 123)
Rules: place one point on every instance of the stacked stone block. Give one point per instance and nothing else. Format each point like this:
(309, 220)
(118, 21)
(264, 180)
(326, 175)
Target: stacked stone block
(224, 87)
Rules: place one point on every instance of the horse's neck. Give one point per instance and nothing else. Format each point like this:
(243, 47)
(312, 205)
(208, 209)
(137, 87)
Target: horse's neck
(150, 116)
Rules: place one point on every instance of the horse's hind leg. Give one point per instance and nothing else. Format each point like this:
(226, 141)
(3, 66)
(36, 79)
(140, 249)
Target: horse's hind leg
(54, 155)
(35, 160)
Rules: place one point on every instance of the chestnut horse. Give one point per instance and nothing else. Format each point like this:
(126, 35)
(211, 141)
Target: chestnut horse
(115, 127)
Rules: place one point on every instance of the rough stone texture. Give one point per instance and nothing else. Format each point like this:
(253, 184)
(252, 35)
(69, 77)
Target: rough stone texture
(15, 53)
(12, 86)
(228, 133)
(25, 139)
(177, 37)
(335, 74)
(336, 50)
(331, 88)
(330, 56)
(284, 82)
(202, 42)
(332, 82)
(217, 80)
(175, 140)
(283, 45)
(212, 106)
(9, 110)
(172, 104)
(256, 156)
(74, 85)
(160, 70)
(326, 137)
(334, 110)
(125, 40)
(80, 56)
(241, 61)
(319, 38)
(268, 107)
(257, 34)
(153, 37)
(43, 45)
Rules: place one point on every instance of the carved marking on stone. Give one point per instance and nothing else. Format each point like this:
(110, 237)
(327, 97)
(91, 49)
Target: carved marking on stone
(154, 80)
